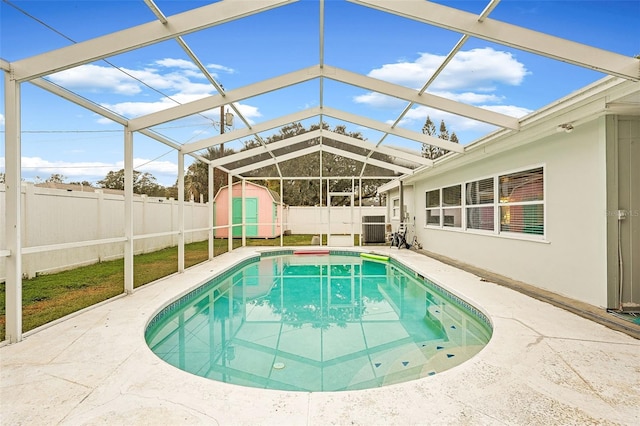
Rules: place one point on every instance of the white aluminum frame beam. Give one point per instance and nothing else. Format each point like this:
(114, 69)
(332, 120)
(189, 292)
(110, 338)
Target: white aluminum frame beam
(456, 48)
(325, 134)
(363, 159)
(312, 112)
(412, 95)
(216, 101)
(511, 35)
(258, 128)
(381, 149)
(403, 133)
(162, 18)
(100, 110)
(272, 161)
(322, 148)
(139, 36)
(266, 148)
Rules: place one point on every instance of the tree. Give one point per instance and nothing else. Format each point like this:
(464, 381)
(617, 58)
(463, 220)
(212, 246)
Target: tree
(143, 183)
(296, 192)
(431, 151)
(196, 179)
(83, 183)
(56, 178)
(307, 192)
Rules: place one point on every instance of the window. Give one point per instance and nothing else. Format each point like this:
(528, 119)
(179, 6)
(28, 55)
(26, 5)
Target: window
(522, 202)
(510, 203)
(395, 208)
(444, 207)
(479, 198)
(452, 206)
(433, 207)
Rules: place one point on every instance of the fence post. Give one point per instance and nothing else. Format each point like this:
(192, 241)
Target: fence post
(99, 222)
(210, 218)
(28, 267)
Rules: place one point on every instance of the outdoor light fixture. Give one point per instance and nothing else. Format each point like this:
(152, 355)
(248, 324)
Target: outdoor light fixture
(566, 127)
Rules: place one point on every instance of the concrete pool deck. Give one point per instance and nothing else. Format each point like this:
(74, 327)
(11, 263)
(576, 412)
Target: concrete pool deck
(543, 366)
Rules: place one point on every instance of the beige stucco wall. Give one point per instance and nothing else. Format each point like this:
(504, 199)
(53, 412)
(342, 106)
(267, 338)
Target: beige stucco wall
(571, 260)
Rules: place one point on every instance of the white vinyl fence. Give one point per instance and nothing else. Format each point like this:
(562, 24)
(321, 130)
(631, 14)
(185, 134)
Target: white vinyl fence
(315, 220)
(57, 216)
(54, 216)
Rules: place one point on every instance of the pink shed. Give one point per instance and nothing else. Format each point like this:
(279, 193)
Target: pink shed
(262, 207)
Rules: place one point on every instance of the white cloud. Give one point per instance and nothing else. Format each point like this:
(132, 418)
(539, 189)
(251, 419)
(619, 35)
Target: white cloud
(218, 67)
(472, 77)
(177, 63)
(137, 109)
(477, 69)
(511, 110)
(96, 79)
(470, 97)
(1, 120)
(248, 111)
(125, 81)
(456, 122)
(379, 100)
(66, 168)
(177, 84)
(163, 171)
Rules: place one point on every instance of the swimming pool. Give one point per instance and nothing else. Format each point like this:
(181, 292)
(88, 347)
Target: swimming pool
(317, 323)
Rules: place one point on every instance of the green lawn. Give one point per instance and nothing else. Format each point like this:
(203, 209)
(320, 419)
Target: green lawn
(52, 296)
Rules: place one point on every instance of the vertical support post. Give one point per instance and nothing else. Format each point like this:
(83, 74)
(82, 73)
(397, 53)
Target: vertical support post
(128, 211)
(401, 205)
(244, 213)
(210, 222)
(13, 223)
(282, 213)
(230, 212)
(360, 209)
(180, 212)
(320, 195)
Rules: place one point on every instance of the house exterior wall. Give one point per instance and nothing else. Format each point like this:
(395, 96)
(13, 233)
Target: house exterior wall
(571, 258)
(408, 199)
(268, 210)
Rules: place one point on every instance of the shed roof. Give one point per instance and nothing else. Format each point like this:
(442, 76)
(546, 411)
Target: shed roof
(273, 194)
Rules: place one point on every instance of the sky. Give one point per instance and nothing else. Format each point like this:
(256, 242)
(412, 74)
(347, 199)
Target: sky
(59, 137)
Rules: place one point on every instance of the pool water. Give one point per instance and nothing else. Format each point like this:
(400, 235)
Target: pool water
(317, 323)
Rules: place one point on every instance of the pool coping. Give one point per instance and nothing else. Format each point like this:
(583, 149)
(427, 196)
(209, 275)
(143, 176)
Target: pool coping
(543, 365)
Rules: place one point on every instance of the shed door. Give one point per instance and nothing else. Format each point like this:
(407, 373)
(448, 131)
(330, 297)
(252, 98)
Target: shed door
(251, 215)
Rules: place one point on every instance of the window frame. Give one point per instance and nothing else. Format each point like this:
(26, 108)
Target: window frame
(495, 205)
(491, 205)
(395, 210)
(542, 202)
(437, 208)
(458, 207)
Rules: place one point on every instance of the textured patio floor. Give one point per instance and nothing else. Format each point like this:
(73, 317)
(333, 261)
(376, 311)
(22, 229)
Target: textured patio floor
(543, 366)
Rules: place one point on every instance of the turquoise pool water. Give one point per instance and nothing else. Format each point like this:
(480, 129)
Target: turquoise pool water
(317, 323)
